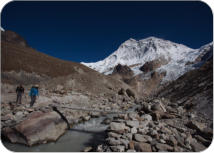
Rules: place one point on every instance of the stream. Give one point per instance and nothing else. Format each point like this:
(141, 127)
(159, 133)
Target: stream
(89, 133)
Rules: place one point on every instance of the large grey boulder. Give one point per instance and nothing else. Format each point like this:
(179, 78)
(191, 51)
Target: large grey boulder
(38, 127)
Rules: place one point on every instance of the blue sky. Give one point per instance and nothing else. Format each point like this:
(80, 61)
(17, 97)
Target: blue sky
(90, 31)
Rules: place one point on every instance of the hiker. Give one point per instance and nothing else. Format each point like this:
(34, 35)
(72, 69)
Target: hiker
(33, 93)
(19, 91)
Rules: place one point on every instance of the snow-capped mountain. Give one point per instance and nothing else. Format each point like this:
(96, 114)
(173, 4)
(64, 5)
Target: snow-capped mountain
(136, 53)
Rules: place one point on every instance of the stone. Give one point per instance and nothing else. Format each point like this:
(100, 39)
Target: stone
(163, 147)
(153, 132)
(164, 136)
(117, 148)
(87, 149)
(139, 138)
(146, 117)
(113, 141)
(125, 143)
(86, 118)
(131, 145)
(180, 110)
(133, 116)
(19, 115)
(114, 126)
(128, 136)
(131, 150)
(100, 148)
(132, 123)
(172, 141)
(114, 135)
(162, 141)
(197, 147)
(148, 138)
(188, 139)
(39, 127)
(106, 121)
(143, 130)
(133, 130)
(143, 147)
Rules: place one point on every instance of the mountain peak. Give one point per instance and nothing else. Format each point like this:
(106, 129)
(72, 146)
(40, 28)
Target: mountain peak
(138, 52)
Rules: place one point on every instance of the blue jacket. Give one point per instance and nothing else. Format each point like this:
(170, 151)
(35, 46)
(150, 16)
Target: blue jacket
(34, 92)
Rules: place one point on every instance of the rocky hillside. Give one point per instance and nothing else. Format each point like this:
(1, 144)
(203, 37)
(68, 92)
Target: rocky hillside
(193, 90)
(23, 64)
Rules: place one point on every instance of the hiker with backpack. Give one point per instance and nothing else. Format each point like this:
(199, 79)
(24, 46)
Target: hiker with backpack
(33, 93)
(19, 91)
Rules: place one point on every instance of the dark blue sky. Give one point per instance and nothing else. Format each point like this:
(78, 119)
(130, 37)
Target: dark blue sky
(90, 31)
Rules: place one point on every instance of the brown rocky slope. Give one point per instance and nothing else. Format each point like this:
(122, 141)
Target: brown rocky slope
(17, 57)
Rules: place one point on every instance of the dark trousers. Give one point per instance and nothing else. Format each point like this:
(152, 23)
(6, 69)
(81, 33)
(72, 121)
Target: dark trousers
(33, 99)
(19, 98)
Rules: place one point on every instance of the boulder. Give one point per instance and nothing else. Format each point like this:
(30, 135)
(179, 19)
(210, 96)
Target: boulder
(132, 123)
(117, 148)
(39, 127)
(143, 147)
(163, 147)
(139, 138)
(114, 126)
